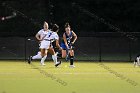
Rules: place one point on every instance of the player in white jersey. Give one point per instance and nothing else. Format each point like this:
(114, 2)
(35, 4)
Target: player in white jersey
(137, 61)
(38, 55)
(45, 36)
(55, 39)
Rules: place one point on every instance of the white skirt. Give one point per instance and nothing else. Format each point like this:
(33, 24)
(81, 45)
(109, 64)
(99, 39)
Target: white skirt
(44, 44)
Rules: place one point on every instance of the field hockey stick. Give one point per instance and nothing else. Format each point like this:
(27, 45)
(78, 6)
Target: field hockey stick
(68, 52)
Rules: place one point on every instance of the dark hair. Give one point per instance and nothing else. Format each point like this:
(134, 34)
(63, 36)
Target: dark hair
(67, 25)
(55, 28)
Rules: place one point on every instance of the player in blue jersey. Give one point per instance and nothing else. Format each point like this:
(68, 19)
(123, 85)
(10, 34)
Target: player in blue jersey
(69, 38)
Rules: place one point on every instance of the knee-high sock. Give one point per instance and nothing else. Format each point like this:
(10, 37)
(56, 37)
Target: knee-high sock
(38, 56)
(138, 60)
(54, 57)
(71, 60)
(43, 59)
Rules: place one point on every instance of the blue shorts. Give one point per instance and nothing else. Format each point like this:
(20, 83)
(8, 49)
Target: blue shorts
(64, 46)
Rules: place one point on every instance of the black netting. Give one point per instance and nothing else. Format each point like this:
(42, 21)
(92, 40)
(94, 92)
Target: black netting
(86, 48)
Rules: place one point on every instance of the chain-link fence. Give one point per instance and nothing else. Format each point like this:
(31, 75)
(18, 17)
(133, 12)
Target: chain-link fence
(86, 48)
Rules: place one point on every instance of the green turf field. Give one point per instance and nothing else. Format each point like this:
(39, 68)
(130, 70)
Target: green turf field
(107, 77)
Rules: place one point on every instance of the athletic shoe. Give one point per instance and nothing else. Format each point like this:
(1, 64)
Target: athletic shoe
(56, 65)
(29, 59)
(42, 64)
(136, 64)
(72, 66)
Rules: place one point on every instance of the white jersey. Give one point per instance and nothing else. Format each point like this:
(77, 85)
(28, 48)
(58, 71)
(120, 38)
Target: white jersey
(41, 33)
(47, 38)
(50, 35)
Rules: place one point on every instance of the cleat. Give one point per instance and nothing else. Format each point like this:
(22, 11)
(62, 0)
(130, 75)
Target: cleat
(136, 64)
(56, 65)
(72, 66)
(29, 59)
(42, 64)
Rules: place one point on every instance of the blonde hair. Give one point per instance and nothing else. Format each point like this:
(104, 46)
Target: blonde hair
(46, 24)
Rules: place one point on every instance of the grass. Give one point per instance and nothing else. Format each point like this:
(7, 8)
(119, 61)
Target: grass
(87, 77)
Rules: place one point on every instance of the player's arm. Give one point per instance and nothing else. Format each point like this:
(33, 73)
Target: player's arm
(57, 44)
(56, 37)
(65, 40)
(75, 37)
(38, 37)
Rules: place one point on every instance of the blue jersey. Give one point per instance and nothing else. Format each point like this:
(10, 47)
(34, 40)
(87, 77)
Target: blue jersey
(69, 40)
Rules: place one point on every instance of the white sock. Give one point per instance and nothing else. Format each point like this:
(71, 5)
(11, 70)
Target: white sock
(38, 56)
(138, 61)
(43, 59)
(54, 57)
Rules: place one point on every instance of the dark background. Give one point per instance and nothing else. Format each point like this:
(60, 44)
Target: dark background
(106, 29)
(121, 13)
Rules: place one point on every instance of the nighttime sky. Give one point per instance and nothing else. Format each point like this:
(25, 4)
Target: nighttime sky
(123, 13)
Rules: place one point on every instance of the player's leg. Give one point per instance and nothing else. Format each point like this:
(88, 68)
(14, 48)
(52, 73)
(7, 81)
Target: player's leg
(64, 53)
(44, 55)
(54, 56)
(58, 53)
(72, 58)
(44, 46)
(138, 61)
(135, 62)
(59, 56)
(29, 59)
(38, 56)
